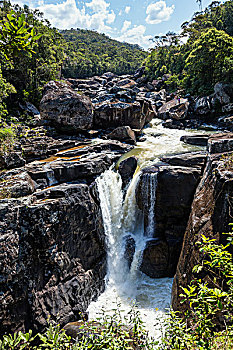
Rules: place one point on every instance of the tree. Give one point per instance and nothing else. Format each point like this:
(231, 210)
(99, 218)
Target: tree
(210, 60)
(16, 35)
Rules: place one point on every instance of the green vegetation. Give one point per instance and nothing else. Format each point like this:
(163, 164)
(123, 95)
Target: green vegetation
(89, 53)
(208, 321)
(205, 59)
(206, 325)
(7, 139)
(33, 53)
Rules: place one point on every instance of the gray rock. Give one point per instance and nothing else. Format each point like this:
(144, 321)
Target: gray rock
(127, 169)
(203, 105)
(190, 159)
(53, 258)
(66, 110)
(155, 259)
(173, 197)
(220, 143)
(175, 109)
(12, 160)
(197, 140)
(123, 134)
(117, 114)
(224, 93)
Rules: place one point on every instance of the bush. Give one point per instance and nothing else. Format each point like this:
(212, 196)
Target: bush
(7, 139)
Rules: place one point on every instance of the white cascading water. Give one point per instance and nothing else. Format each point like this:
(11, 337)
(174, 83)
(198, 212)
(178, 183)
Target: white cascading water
(149, 188)
(122, 218)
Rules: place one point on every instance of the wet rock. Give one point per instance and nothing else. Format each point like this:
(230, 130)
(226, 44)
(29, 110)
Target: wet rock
(127, 168)
(190, 159)
(197, 140)
(155, 259)
(220, 143)
(123, 134)
(66, 110)
(173, 197)
(53, 257)
(130, 246)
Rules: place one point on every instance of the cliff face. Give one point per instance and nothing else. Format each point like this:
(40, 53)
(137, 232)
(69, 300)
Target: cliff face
(53, 257)
(212, 211)
(52, 241)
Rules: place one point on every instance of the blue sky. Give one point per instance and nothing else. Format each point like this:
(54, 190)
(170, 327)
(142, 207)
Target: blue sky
(134, 21)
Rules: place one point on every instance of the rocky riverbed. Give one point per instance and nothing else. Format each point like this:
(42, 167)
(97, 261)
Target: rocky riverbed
(53, 249)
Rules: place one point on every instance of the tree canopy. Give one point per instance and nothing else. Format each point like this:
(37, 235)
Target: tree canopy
(201, 55)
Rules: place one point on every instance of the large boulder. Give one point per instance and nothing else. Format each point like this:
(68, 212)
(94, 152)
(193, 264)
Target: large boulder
(127, 168)
(53, 257)
(175, 109)
(224, 93)
(203, 106)
(65, 109)
(115, 114)
(169, 201)
(123, 134)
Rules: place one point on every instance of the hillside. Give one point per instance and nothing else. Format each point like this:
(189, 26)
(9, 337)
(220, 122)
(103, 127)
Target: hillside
(206, 57)
(89, 53)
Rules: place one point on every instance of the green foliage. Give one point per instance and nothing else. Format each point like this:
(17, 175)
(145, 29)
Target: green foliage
(210, 60)
(36, 53)
(205, 59)
(210, 304)
(114, 332)
(16, 35)
(210, 307)
(89, 53)
(5, 90)
(7, 139)
(54, 338)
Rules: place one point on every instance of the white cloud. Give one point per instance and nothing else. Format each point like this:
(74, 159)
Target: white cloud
(98, 5)
(126, 26)
(159, 12)
(136, 35)
(66, 14)
(127, 9)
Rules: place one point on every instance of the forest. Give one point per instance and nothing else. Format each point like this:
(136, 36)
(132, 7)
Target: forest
(195, 59)
(200, 56)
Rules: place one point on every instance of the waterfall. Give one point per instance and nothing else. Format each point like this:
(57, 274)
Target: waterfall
(122, 218)
(149, 186)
